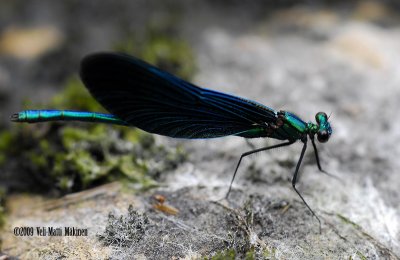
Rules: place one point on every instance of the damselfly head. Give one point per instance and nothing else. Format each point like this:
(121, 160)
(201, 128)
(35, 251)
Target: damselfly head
(325, 130)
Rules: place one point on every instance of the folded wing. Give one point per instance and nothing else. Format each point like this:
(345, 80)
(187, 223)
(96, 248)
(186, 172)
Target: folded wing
(161, 103)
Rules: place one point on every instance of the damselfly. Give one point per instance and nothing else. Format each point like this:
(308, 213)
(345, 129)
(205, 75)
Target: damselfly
(141, 95)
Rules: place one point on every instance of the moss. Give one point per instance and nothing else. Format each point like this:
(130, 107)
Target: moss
(170, 54)
(250, 255)
(163, 49)
(75, 96)
(79, 157)
(6, 141)
(74, 156)
(228, 254)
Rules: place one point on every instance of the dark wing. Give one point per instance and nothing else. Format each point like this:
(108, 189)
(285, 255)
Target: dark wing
(158, 102)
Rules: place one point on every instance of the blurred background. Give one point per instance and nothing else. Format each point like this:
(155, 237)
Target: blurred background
(341, 57)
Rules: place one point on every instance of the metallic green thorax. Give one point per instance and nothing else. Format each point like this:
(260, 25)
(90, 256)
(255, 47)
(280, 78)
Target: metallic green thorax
(34, 116)
(312, 128)
(288, 126)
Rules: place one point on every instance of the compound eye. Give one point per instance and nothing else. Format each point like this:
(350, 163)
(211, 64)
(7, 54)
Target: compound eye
(323, 136)
(319, 116)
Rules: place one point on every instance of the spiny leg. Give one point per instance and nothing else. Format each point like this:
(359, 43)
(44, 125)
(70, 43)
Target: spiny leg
(251, 152)
(319, 164)
(294, 181)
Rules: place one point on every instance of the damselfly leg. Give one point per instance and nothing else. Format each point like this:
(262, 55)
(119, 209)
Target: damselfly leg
(319, 164)
(252, 152)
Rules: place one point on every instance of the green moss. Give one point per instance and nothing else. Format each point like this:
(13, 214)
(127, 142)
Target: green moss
(141, 137)
(75, 97)
(250, 255)
(163, 49)
(73, 156)
(173, 55)
(98, 154)
(6, 141)
(228, 254)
